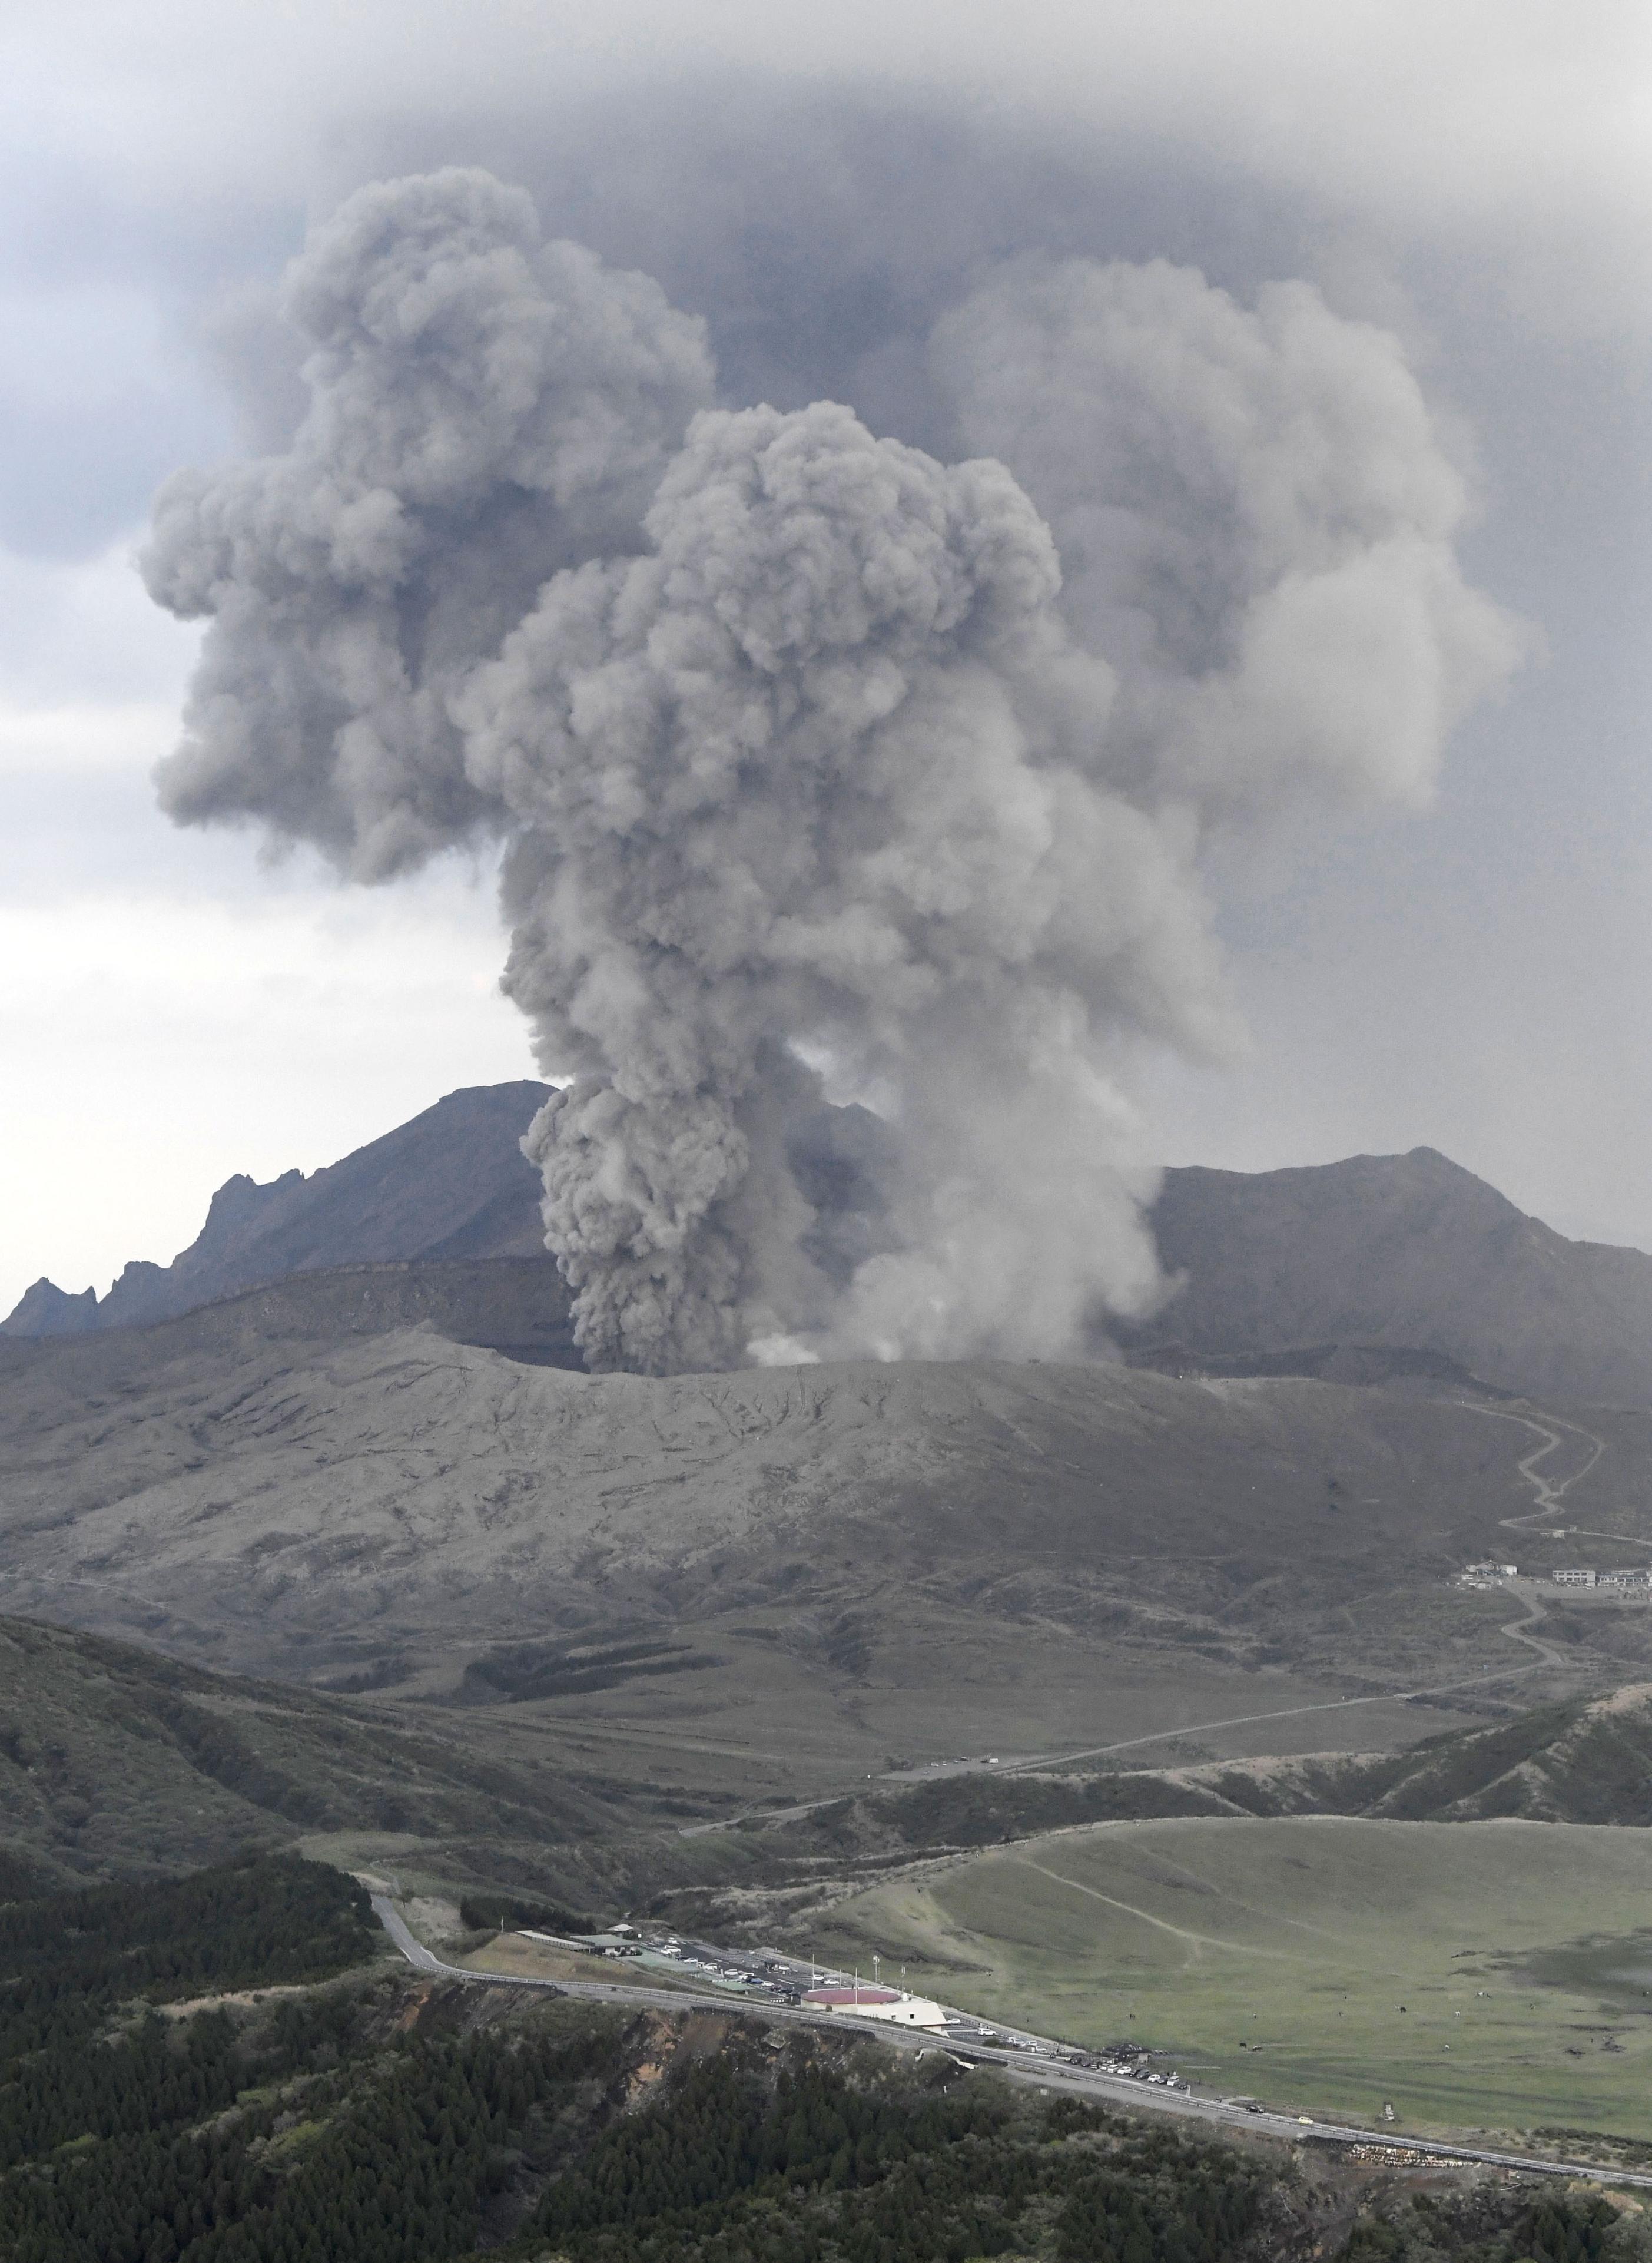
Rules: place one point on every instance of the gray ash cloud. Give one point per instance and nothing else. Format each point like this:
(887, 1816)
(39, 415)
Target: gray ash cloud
(822, 767)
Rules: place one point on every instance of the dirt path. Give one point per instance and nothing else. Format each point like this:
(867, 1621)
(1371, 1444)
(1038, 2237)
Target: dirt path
(1550, 1492)
(1515, 1631)
(1199, 1941)
(1248, 1720)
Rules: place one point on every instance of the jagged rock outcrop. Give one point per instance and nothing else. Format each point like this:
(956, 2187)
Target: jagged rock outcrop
(452, 1183)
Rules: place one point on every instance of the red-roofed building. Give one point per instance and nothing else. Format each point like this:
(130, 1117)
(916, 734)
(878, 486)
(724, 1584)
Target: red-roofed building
(878, 2004)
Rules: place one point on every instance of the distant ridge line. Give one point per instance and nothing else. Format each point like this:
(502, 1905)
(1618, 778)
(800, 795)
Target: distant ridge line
(1382, 1268)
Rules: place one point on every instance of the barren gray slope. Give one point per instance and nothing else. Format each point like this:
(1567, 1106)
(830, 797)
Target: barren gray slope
(252, 1503)
(1403, 1250)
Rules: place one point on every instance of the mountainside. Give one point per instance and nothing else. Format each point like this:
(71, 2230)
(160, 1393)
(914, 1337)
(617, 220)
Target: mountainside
(116, 1762)
(281, 1491)
(1309, 1270)
(1588, 1761)
(1401, 1250)
(452, 1183)
(878, 1559)
(451, 1187)
(518, 1306)
(1306, 1270)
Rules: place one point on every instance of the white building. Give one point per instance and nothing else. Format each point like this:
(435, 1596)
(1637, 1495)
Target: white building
(892, 2004)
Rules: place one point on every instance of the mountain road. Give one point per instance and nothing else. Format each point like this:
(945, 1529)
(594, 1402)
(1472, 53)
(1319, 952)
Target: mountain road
(1047, 2072)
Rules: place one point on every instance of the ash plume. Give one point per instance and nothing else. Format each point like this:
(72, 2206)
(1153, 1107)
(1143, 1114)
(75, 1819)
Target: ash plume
(813, 780)
(1256, 526)
(485, 408)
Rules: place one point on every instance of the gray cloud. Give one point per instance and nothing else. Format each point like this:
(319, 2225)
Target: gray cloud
(1256, 519)
(484, 407)
(813, 775)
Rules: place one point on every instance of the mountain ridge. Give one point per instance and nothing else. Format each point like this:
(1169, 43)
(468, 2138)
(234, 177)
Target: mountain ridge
(451, 1183)
(1362, 1259)
(1410, 1250)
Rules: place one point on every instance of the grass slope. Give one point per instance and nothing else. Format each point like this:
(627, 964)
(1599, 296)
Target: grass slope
(1275, 1957)
(116, 1762)
(1589, 1761)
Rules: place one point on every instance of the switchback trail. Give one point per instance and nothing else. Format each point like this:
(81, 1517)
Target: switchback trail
(1550, 1492)
(1515, 1628)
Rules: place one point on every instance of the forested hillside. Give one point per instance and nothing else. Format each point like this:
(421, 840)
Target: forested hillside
(374, 2116)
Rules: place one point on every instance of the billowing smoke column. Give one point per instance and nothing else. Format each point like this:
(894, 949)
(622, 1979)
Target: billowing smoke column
(822, 771)
(485, 408)
(810, 775)
(1256, 527)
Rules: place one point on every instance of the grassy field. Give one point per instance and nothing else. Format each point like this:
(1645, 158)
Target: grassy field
(1491, 1975)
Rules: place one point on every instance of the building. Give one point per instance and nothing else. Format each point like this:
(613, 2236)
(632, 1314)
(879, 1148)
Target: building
(1573, 1578)
(584, 1944)
(892, 2004)
(1491, 1571)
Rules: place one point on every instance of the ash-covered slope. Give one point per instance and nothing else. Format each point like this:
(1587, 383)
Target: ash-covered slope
(452, 1184)
(278, 1504)
(1403, 1250)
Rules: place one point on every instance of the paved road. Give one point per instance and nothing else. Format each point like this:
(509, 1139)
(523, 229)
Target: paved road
(1047, 2073)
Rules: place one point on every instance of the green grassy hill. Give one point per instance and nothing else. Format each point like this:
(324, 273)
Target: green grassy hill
(1476, 1974)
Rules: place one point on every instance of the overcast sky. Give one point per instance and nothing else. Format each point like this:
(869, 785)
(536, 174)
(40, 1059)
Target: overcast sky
(820, 183)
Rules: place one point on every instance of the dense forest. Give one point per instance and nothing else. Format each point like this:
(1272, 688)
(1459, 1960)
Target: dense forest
(484, 1912)
(817, 2168)
(327, 2105)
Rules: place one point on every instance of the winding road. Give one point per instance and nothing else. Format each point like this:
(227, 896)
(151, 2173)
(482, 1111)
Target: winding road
(1550, 1492)
(1046, 2073)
